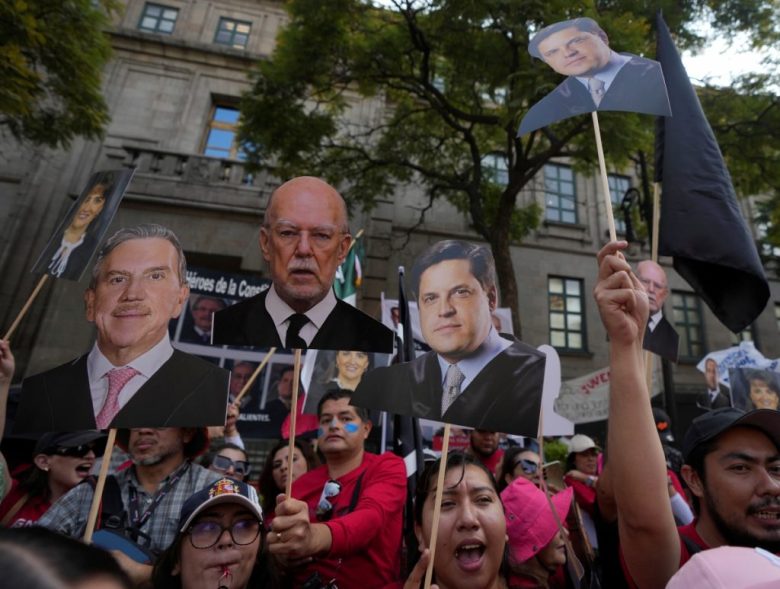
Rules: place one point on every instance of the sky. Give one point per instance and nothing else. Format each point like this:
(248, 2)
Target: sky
(721, 62)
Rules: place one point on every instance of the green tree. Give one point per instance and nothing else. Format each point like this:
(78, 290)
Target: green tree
(456, 78)
(51, 56)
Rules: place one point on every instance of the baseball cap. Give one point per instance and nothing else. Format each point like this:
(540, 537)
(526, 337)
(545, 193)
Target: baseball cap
(50, 441)
(224, 490)
(663, 424)
(729, 567)
(713, 423)
(580, 443)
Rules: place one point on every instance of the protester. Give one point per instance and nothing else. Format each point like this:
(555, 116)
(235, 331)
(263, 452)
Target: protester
(36, 558)
(345, 521)
(537, 543)
(60, 462)
(273, 478)
(471, 540)
(731, 458)
(519, 462)
(483, 444)
(582, 465)
(228, 460)
(228, 433)
(7, 368)
(161, 477)
(203, 556)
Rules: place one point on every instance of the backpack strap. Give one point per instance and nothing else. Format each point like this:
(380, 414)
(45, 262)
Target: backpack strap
(356, 493)
(112, 510)
(9, 515)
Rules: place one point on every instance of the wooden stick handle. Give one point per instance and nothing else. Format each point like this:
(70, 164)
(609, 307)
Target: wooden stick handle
(293, 420)
(656, 219)
(254, 376)
(604, 178)
(101, 483)
(445, 448)
(26, 307)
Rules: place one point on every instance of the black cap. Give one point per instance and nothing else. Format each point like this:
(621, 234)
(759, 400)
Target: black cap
(663, 424)
(50, 441)
(713, 423)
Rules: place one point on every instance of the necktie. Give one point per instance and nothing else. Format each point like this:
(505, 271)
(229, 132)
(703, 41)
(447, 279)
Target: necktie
(452, 381)
(596, 89)
(117, 379)
(293, 341)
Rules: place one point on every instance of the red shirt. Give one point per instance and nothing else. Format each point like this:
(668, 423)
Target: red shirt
(584, 495)
(28, 514)
(492, 461)
(366, 547)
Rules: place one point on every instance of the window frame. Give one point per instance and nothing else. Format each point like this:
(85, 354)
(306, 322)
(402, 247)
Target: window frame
(157, 30)
(620, 224)
(559, 195)
(235, 149)
(236, 22)
(687, 352)
(565, 330)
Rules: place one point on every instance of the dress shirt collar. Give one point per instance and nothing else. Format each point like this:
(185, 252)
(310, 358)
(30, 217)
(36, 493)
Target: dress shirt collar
(608, 73)
(655, 319)
(146, 364)
(280, 311)
(493, 345)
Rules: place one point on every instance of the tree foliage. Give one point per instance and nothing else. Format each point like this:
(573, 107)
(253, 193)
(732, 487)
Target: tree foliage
(51, 56)
(456, 78)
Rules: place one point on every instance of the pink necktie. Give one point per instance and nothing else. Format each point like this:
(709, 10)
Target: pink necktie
(117, 379)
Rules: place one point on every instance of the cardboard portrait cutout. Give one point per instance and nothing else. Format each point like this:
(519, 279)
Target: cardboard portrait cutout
(501, 379)
(82, 228)
(660, 336)
(304, 241)
(598, 78)
(753, 388)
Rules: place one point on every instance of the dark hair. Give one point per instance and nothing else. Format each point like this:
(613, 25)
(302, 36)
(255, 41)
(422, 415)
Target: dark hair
(332, 371)
(508, 464)
(39, 558)
(483, 267)
(267, 486)
(200, 298)
(208, 458)
(584, 24)
(335, 394)
(696, 461)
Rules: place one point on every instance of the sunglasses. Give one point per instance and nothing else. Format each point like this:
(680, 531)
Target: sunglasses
(223, 464)
(528, 466)
(324, 506)
(79, 451)
(205, 534)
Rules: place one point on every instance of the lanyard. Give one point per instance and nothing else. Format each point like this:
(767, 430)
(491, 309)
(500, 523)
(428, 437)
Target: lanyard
(138, 520)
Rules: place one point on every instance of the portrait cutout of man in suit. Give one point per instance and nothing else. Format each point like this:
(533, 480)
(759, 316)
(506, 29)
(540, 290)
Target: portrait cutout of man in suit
(304, 238)
(197, 327)
(598, 78)
(132, 376)
(473, 376)
(717, 395)
(660, 336)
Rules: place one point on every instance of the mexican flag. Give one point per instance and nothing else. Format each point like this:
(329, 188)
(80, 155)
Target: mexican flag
(349, 275)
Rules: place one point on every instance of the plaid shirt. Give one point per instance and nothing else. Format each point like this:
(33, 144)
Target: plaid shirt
(69, 514)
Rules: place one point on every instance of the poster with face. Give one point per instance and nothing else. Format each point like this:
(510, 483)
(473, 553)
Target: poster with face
(598, 78)
(472, 376)
(753, 388)
(660, 336)
(83, 227)
(304, 239)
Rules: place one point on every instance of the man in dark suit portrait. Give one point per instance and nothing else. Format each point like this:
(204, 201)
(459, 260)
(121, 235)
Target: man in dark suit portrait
(660, 336)
(717, 394)
(199, 329)
(473, 376)
(598, 78)
(132, 377)
(304, 238)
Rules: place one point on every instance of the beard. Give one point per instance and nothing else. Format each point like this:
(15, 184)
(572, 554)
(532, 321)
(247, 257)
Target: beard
(735, 536)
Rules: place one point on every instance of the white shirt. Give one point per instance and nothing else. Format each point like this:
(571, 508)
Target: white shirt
(655, 319)
(608, 73)
(493, 345)
(146, 364)
(280, 314)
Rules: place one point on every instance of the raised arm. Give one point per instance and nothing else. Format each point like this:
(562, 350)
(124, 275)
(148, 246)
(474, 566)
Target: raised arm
(648, 535)
(7, 367)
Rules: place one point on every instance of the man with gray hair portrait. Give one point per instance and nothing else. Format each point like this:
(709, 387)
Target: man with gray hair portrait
(132, 376)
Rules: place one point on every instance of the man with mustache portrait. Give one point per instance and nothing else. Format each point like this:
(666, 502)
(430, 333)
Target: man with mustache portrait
(660, 336)
(132, 376)
(304, 238)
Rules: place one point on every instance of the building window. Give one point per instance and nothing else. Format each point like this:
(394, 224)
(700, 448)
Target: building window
(222, 132)
(559, 195)
(494, 169)
(233, 33)
(617, 188)
(689, 324)
(746, 335)
(567, 315)
(158, 19)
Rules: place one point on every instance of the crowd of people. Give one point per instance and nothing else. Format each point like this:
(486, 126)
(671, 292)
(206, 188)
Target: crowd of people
(182, 510)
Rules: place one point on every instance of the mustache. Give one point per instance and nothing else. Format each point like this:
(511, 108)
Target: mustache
(763, 504)
(306, 264)
(131, 307)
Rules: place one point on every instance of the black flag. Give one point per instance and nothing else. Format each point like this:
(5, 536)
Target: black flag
(701, 225)
(407, 436)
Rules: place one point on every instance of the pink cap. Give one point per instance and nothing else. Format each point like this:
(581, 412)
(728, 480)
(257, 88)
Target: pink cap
(530, 523)
(729, 567)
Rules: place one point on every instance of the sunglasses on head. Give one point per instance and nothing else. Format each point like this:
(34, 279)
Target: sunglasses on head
(79, 451)
(528, 466)
(324, 506)
(223, 463)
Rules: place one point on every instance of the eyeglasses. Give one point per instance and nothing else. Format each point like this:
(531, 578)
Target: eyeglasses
(223, 464)
(324, 506)
(205, 534)
(79, 451)
(529, 466)
(319, 237)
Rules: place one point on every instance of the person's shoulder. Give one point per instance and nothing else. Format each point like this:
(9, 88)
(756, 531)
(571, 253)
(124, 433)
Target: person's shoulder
(75, 366)
(183, 360)
(519, 348)
(385, 464)
(241, 308)
(310, 481)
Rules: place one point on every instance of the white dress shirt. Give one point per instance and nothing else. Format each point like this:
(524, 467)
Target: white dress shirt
(608, 73)
(493, 345)
(146, 364)
(280, 314)
(655, 319)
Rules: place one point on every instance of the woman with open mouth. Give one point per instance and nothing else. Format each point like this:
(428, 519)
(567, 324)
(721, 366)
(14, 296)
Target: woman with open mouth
(471, 541)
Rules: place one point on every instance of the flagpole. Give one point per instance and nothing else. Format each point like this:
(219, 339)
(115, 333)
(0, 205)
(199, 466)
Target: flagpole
(604, 178)
(254, 376)
(26, 307)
